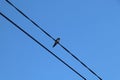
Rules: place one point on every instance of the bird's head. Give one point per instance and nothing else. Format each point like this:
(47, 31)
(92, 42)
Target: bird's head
(58, 38)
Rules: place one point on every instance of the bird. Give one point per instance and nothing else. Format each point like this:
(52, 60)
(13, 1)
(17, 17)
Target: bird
(56, 42)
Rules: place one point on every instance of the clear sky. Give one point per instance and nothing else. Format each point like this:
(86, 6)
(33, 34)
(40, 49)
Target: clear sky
(88, 28)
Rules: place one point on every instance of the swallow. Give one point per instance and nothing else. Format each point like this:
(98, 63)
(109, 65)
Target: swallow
(56, 42)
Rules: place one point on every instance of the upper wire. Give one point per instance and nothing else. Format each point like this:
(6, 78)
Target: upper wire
(54, 40)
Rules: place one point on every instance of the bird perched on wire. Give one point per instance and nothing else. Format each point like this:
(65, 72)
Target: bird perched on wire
(56, 42)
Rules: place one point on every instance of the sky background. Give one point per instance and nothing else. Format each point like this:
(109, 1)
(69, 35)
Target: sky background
(90, 29)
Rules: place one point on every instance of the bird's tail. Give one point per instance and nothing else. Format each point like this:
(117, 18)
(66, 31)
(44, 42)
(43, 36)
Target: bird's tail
(53, 45)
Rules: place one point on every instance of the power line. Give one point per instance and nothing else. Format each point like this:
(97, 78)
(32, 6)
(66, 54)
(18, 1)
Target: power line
(30, 20)
(54, 40)
(42, 46)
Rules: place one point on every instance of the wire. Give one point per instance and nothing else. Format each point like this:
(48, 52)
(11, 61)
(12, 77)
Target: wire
(54, 40)
(30, 20)
(42, 46)
(81, 62)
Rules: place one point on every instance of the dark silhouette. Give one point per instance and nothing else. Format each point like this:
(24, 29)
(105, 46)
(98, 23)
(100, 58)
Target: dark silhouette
(56, 42)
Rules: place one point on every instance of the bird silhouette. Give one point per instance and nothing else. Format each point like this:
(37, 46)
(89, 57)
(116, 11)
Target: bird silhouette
(56, 42)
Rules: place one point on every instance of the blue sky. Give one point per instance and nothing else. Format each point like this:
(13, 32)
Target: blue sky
(90, 29)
